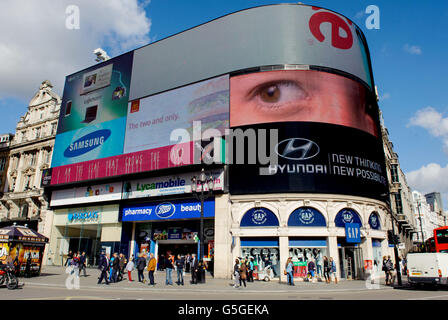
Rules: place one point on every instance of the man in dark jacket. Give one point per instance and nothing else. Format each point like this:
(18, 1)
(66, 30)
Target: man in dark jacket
(103, 266)
(122, 265)
(141, 264)
(115, 268)
(194, 269)
(180, 263)
(82, 264)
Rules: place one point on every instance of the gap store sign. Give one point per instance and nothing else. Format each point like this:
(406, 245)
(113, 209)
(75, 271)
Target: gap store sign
(168, 210)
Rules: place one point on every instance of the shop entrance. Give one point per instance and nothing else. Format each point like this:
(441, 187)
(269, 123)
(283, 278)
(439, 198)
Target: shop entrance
(177, 248)
(351, 263)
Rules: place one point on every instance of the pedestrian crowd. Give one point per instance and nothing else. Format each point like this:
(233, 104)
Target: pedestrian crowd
(113, 268)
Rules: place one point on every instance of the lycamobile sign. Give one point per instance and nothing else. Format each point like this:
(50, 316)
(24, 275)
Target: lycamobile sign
(160, 186)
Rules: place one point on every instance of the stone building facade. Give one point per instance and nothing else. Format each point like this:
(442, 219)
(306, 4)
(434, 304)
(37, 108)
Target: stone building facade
(30, 151)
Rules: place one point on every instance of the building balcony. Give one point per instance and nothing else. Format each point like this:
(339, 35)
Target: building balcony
(34, 192)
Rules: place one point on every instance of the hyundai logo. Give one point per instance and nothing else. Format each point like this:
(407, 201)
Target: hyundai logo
(297, 149)
(87, 143)
(165, 210)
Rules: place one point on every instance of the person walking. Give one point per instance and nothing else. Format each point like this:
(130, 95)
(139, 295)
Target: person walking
(115, 268)
(333, 270)
(180, 263)
(28, 266)
(389, 269)
(243, 273)
(103, 266)
(82, 264)
(251, 270)
(69, 258)
(169, 270)
(289, 269)
(236, 273)
(187, 262)
(194, 269)
(327, 270)
(311, 269)
(121, 265)
(141, 264)
(130, 268)
(151, 268)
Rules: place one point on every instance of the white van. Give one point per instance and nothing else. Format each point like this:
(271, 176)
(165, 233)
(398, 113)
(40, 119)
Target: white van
(427, 268)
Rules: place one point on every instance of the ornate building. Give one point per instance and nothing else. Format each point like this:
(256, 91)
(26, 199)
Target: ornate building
(400, 196)
(5, 141)
(30, 151)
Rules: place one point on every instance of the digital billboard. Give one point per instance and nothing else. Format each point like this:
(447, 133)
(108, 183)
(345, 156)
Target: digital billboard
(87, 194)
(151, 120)
(93, 112)
(327, 134)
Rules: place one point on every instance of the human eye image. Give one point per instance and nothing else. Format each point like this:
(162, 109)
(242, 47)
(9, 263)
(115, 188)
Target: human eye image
(299, 95)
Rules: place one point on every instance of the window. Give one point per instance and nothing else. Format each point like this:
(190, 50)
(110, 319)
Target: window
(47, 156)
(398, 203)
(2, 163)
(37, 133)
(394, 173)
(32, 159)
(54, 126)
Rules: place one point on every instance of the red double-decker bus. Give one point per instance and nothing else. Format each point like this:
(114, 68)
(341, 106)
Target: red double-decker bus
(441, 239)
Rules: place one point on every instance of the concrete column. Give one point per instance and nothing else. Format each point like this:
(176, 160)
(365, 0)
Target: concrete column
(334, 253)
(284, 254)
(224, 257)
(131, 251)
(367, 252)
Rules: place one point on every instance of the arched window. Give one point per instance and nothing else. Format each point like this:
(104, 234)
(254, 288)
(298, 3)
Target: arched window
(306, 217)
(347, 216)
(259, 217)
(374, 221)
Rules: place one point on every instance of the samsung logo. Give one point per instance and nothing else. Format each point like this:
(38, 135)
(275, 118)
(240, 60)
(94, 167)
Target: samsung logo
(165, 210)
(87, 143)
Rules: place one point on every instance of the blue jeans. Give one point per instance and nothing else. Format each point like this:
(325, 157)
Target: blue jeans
(319, 269)
(180, 276)
(290, 277)
(168, 276)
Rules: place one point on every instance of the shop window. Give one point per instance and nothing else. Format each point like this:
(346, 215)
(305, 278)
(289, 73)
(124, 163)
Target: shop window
(347, 216)
(259, 217)
(306, 217)
(303, 251)
(266, 255)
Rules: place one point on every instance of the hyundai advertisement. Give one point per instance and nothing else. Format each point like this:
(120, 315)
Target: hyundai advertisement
(326, 134)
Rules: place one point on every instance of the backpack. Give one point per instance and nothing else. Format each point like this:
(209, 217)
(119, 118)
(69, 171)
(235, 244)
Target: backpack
(389, 265)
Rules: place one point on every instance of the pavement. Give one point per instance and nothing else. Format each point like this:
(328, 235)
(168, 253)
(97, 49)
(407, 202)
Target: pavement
(53, 276)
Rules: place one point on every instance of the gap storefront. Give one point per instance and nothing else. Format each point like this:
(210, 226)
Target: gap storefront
(170, 226)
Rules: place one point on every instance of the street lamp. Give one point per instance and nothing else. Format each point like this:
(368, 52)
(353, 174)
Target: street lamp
(201, 196)
(397, 264)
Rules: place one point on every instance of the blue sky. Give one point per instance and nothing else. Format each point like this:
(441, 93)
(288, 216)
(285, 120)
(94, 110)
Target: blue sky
(408, 55)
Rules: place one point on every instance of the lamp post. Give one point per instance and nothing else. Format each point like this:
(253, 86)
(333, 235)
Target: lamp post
(397, 264)
(201, 196)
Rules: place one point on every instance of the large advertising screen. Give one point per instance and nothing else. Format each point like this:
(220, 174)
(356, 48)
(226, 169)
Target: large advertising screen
(151, 120)
(93, 112)
(157, 133)
(326, 135)
(87, 194)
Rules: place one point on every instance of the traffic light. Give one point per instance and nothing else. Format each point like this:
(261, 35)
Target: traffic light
(390, 237)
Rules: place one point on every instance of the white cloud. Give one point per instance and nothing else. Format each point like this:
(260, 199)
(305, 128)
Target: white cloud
(385, 96)
(430, 178)
(433, 121)
(36, 45)
(412, 49)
